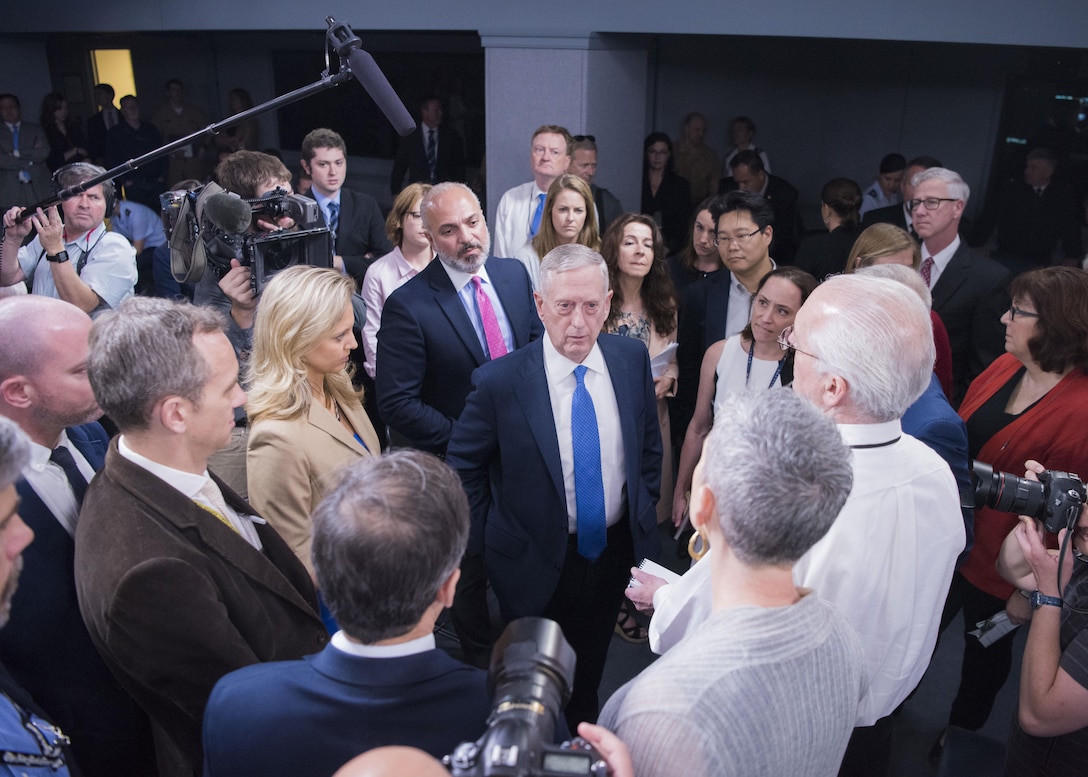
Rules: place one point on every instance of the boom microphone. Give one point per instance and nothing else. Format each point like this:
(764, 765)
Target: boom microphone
(229, 212)
(366, 71)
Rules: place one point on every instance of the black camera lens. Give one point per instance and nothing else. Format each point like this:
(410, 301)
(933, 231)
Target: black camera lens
(1006, 492)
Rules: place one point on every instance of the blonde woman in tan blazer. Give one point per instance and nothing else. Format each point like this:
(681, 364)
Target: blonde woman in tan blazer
(306, 419)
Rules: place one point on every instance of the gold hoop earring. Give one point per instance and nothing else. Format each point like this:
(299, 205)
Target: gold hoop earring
(703, 545)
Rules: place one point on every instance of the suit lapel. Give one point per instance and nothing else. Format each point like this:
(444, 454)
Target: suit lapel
(445, 296)
(536, 403)
(321, 419)
(508, 292)
(952, 278)
(625, 387)
(93, 448)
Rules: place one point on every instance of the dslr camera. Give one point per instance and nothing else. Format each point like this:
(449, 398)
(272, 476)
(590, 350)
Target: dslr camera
(1056, 498)
(210, 226)
(531, 677)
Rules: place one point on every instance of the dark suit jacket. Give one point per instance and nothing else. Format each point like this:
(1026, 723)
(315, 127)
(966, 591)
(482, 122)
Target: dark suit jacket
(703, 310)
(932, 420)
(608, 207)
(1029, 226)
(412, 159)
(360, 231)
(47, 649)
(428, 348)
(174, 599)
(970, 297)
(505, 448)
(892, 214)
(782, 196)
(312, 716)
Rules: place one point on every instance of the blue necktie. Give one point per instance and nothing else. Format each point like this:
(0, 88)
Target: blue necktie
(432, 152)
(334, 216)
(588, 481)
(62, 457)
(536, 215)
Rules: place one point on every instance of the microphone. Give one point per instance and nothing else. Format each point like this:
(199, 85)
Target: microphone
(228, 212)
(366, 71)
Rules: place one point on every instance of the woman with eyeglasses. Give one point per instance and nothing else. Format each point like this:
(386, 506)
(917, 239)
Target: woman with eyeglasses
(666, 197)
(700, 259)
(752, 361)
(569, 217)
(1029, 404)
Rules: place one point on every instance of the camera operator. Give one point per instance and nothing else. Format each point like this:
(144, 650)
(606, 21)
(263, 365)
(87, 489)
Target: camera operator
(84, 264)
(1050, 735)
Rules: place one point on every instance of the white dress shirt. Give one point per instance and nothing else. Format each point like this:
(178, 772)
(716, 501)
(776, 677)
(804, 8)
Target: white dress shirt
(51, 484)
(382, 278)
(940, 259)
(561, 383)
(739, 311)
(190, 485)
(886, 563)
(514, 217)
(422, 644)
(110, 269)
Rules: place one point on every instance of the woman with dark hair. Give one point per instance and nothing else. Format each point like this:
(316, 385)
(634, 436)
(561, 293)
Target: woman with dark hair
(644, 307)
(1028, 404)
(825, 254)
(666, 197)
(66, 141)
(700, 258)
(751, 361)
(245, 135)
(569, 217)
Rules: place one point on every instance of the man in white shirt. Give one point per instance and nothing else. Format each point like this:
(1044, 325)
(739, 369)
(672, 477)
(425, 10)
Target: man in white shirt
(863, 354)
(74, 259)
(518, 218)
(179, 582)
(969, 289)
(387, 543)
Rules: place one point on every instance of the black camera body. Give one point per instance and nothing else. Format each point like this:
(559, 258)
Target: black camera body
(531, 675)
(1056, 499)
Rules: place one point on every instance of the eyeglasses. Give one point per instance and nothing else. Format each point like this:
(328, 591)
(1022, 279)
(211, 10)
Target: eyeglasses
(739, 239)
(930, 203)
(1015, 311)
(785, 342)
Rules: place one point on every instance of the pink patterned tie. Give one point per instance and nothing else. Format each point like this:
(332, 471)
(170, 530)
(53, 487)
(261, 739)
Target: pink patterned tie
(492, 333)
(926, 269)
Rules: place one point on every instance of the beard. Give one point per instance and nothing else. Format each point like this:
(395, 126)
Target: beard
(8, 591)
(62, 419)
(465, 264)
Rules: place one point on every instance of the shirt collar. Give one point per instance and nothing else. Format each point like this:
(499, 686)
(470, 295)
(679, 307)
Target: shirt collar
(422, 644)
(558, 366)
(322, 200)
(460, 279)
(185, 482)
(39, 454)
(944, 256)
(86, 240)
(871, 434)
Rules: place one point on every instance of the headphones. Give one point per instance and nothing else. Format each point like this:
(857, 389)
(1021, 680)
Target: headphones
(78, 172)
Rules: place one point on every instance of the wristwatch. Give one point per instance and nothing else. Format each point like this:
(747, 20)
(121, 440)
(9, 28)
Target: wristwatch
(1038, 600)
(57, 258)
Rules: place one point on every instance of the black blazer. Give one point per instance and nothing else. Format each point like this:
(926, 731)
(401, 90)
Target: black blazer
(970, 297)
(48, 651)
(782, 196)
(412, 159)
(703, 310)
(428, 348)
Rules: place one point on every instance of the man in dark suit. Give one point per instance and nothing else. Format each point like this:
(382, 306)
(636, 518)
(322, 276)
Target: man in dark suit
(179, 582)
(560, 454)
(387, 542)
(583, 163)
(749, 176)
(898, 214)
(46, 647)
(101, 122)
(432, 153)
(433, 335)
(354, 218)
(969, 290)
(1032, 215)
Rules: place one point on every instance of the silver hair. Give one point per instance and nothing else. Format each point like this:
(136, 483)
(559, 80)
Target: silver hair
(144, 351)
(877, 338)
(570, 257)
(439, 189)
(78, 172)
(908, 276)
(957, 187)
(14, 452)
(779, 472)
(386, 538)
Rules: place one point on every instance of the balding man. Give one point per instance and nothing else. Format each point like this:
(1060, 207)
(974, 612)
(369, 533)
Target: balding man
(520, 210)
(44, 389)
(863, 354)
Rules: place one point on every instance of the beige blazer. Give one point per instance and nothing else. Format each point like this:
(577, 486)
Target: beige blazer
(290, 465)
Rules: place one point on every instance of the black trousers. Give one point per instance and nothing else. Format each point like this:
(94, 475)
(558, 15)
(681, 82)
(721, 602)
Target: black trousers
(869, 751)
(584, 605)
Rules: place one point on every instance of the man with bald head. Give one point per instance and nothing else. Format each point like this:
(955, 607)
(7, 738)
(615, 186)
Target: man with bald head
(393, 762)
(44, 389)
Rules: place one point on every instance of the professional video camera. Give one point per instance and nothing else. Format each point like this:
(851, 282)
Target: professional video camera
(532, 671)
(211, 226)
(1056, 498)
